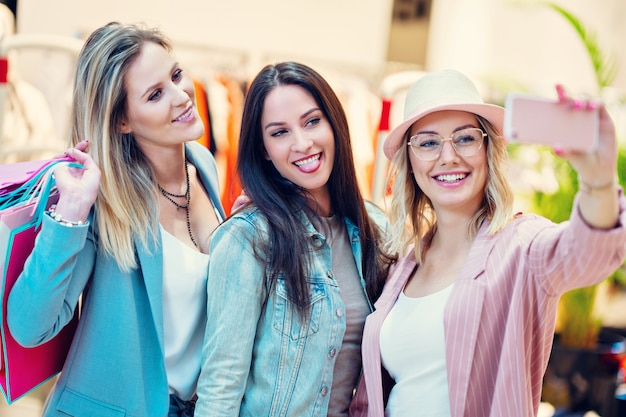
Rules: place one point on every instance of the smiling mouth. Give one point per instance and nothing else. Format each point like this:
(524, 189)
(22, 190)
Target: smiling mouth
(185, 115)
(450, 177)
(308, 160)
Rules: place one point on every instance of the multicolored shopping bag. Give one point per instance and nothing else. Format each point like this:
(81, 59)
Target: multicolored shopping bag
(24, 369)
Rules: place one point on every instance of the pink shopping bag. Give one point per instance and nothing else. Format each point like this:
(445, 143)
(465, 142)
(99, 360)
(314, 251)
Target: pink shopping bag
(14, 175)
(24, 369)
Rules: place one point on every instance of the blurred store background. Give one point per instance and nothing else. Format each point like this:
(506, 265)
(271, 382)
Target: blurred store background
(370, 51)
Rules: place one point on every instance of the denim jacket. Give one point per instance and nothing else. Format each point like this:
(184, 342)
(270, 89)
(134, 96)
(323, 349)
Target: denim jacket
(258, 358)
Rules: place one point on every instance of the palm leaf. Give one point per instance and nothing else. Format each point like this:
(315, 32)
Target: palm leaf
(605, 68)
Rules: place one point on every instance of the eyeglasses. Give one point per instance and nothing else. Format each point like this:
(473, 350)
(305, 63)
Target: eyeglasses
(428, 146)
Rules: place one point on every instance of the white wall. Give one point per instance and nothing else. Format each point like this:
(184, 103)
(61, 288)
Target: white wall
(521, 42)
(508, 44)
(511, 40)
(352, 33)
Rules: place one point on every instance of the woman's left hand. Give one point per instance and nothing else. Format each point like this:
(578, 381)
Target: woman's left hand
(598, 166)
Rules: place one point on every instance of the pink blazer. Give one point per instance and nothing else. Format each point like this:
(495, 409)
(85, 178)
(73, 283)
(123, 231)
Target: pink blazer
(499, 320)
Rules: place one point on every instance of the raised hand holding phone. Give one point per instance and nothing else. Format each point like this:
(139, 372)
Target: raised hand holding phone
(564, 124)
(595, 161)
(597, 167)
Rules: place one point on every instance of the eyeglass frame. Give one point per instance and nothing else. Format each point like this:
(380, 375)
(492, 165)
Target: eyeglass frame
(443, 140)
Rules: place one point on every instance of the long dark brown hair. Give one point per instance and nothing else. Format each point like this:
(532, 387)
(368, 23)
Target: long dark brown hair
(278, 199)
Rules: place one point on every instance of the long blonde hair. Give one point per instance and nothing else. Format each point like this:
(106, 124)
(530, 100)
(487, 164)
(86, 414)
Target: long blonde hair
(125, 207)
(412, 214)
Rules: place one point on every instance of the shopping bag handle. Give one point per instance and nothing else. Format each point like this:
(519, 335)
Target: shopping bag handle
(40, 191)
(21, 192)
(37, 190)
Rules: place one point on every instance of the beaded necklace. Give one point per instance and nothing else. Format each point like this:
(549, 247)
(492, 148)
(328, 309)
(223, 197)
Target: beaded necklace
(187, 196)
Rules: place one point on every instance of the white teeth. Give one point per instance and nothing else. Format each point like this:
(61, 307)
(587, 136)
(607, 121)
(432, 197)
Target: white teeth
(450, 177)
(184, 115)
(308, 160)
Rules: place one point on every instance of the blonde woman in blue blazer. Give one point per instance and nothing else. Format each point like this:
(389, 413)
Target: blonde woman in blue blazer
(129, 236)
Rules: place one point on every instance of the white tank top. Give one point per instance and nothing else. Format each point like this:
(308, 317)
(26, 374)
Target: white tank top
(413, 351)
(185, 272)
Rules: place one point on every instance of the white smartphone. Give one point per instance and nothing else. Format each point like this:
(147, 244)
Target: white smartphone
(541, 121)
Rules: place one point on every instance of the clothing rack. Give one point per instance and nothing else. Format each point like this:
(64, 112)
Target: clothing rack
(203, 59)
(221, 76)
(393, 90)
(10, 47)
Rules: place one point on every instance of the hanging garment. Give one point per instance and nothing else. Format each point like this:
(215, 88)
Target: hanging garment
(202, 105)
(232, 186)
(27, 128)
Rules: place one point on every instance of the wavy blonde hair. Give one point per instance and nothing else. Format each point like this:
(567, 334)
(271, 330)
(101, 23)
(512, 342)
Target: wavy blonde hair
(125, 207)
(413, 218)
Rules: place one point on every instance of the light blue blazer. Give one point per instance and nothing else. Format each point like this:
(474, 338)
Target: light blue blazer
(115, 366)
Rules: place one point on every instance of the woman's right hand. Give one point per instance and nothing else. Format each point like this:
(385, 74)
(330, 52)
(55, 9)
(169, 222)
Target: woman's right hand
(78, 187)
(240, 202)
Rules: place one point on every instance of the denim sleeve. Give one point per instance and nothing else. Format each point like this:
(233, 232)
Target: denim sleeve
(235, 296)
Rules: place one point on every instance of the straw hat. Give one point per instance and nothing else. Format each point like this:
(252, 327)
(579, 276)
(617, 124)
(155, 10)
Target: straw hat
(441, 90)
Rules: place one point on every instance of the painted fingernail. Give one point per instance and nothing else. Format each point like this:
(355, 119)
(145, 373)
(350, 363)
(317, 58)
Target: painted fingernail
(558, 151)
(577, 104)
(560, 91)
(592, 105)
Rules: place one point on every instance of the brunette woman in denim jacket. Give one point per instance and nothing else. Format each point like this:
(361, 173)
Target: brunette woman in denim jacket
(293, 274)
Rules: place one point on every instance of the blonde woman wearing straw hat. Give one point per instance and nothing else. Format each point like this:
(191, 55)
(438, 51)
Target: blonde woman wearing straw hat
(465, 323)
